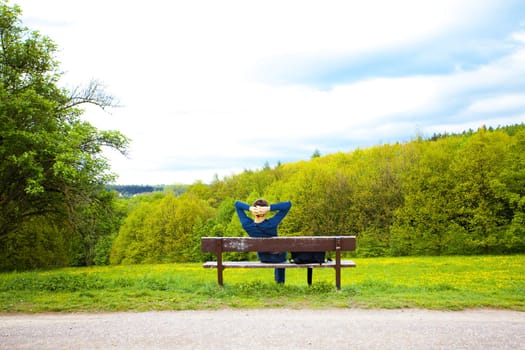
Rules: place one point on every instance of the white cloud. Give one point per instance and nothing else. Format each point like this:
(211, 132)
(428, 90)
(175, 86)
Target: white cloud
(203, 89)
(518, 36)
(496, 104)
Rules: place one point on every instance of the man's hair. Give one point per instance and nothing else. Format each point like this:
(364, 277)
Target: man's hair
(261, 203)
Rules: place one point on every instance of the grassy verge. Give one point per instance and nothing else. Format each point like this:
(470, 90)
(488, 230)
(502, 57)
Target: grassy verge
(445, 283)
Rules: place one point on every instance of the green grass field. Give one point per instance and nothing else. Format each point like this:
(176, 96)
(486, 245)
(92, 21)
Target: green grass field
(445, 283)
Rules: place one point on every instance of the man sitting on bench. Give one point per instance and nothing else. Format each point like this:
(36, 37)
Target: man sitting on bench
(260, 226)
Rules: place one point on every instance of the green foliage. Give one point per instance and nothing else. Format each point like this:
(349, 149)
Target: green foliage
(460, 197)
(456, 194)
(52, 172)
(36, 243)
(162, 230)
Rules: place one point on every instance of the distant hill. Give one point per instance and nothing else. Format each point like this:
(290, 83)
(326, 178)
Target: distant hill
(132, 190)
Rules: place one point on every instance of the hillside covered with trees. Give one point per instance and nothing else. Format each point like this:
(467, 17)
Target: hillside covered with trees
(451, 194)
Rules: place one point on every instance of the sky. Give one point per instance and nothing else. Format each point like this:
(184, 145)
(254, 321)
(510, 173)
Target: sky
(208, 89)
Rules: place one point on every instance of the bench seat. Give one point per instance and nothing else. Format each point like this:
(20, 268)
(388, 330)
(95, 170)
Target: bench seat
(286, 265)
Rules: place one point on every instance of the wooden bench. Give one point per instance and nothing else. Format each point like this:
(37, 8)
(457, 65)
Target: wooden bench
(219, 245)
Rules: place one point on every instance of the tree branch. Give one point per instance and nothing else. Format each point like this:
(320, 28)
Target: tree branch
(92, 94)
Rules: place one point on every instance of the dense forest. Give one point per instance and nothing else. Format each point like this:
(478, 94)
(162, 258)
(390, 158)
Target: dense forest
(449, 194)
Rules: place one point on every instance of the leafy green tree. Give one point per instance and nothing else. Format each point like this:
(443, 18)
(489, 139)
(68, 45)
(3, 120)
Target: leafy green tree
(52, 171)
(321, 196)
(377, 193)
(509, 187)
(201, 190)
(420, 224)
(316, 154)
(462, 196)
(109, 222)
(478, 207)
(163, 230)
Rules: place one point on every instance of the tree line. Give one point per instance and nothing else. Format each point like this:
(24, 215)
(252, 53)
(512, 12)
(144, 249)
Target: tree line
(133, 190)
(454, 194)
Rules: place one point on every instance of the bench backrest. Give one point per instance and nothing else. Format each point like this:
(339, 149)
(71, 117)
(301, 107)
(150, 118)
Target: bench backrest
(278, 244)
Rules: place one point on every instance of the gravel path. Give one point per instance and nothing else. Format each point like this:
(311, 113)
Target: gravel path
(267, 329)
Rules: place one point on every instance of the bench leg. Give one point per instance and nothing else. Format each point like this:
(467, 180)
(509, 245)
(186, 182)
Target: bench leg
(338, 263)
(309, 275)
(219, 262)
(219, 275)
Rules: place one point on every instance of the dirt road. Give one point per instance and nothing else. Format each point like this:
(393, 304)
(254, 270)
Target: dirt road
(267, 329)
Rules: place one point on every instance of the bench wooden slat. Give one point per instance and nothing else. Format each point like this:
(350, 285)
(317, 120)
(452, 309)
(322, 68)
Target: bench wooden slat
(278, 244)
(287, 265)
